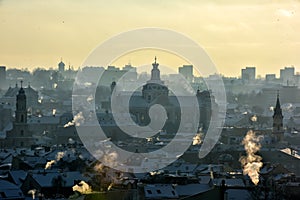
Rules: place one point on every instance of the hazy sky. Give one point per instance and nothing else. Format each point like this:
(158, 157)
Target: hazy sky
(235, 34)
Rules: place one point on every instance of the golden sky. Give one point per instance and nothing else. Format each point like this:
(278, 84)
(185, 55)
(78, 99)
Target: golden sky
(235, 34)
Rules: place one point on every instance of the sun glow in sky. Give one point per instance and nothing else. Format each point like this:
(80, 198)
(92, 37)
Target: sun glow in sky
(235, 34)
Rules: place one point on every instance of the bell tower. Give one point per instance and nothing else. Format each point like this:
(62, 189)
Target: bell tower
(21, 109)
(20, 136)
(278, 121)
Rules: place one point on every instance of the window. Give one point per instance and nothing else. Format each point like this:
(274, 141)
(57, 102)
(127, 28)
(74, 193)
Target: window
(22, 118)
(149, 191)
(158, 191)
(21, 144)
(22, 132)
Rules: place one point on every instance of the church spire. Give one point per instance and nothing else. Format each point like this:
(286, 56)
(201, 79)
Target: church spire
(278, 120)
(277, 110)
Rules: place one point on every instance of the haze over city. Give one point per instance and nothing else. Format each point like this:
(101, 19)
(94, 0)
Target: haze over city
(150, 99)
(235, 34)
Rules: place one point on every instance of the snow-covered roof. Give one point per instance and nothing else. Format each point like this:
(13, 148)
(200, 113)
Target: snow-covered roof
(184, 167)
(191, 189)
(237, 194)
(10, 190)
(291, 152)
(266, 169)
(280, 176)
(159, 191)
(67, 155)
(230, 182)
(34, 161)
(68, 178)
(18, 176)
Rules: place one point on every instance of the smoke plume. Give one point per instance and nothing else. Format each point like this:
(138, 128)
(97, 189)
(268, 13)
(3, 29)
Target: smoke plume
(251, 163)
(78, 119)
(58, 156)
(109, 160)
(82, 187)
(32, 192)
(197, 139)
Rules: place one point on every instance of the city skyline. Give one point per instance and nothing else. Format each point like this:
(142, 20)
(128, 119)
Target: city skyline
(166, 70)
(155, 99)
(235, 35)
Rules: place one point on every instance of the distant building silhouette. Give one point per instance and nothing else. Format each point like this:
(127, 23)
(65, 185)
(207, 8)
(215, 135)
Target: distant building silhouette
(187, 72)
(31, 96)
(270, 77)
(2, 76)
(113, 73)
(248, 74)
(287, 75)
(61, 66)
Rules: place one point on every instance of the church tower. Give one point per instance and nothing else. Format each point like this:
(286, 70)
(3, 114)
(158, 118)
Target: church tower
(155, 87)
(278, 121)
(20, 136)
(61, 66)
(21, 109)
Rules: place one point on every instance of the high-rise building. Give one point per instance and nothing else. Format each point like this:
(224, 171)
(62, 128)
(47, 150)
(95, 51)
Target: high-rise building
(287, 75)
(2, 76)
(248, 74)
(187, 72)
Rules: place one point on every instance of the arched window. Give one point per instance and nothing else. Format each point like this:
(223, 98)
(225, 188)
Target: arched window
(22, 118)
